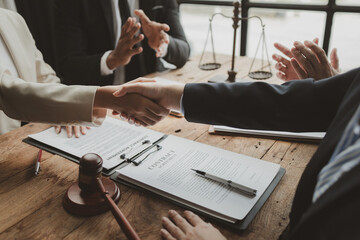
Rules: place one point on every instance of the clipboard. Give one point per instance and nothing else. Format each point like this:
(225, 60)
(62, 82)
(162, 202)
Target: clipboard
(238, 225)
(75, 159)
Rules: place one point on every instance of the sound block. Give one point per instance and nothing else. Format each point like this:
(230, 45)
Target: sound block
(84, 204)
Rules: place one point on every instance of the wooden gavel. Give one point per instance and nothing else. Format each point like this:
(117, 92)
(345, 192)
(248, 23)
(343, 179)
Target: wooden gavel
(92, 195)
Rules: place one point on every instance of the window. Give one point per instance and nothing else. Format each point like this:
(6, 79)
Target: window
(286, 21)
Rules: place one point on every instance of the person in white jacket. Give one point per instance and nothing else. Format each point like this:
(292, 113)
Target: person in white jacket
(31, 92)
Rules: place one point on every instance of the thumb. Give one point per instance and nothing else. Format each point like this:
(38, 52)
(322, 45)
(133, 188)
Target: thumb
(316, 41)
(143, 18)
(334, 59)
(165, 27)
(130, 88)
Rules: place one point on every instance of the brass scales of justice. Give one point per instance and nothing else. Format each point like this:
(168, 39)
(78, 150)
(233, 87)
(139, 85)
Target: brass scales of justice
(259, 74)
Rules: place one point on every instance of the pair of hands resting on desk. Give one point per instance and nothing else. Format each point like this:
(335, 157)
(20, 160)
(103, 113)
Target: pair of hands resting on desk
(305, 60)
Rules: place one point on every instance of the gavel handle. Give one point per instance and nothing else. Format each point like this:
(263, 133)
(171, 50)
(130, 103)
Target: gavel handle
(119, 216)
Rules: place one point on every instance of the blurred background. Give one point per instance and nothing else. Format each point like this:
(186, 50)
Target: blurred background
(282, 25)
(335, 22)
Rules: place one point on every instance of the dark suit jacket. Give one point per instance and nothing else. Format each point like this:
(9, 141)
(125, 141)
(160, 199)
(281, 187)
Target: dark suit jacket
(306, 105)
(85, 32)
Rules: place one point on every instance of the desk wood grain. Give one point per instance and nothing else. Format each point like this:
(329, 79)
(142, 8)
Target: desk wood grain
(31, 207)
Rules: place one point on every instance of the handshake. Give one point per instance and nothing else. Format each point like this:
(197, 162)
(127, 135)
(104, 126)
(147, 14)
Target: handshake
(141, 101)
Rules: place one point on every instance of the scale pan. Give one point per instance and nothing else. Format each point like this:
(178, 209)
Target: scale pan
(260, 75)
(209, 66)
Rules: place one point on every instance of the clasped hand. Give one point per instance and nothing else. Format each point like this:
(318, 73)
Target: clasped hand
(164, 94)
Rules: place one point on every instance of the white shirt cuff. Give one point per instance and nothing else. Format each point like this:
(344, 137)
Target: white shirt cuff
(104, 69)
(182, 110)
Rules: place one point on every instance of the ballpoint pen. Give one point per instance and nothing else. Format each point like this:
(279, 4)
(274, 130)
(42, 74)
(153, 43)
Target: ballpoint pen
(243, 189)
(37, 166)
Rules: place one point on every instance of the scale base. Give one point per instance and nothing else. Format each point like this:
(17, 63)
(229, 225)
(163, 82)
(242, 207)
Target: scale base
(222, 78)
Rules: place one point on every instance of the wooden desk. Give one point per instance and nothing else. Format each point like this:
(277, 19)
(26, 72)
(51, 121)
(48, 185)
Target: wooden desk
(31, 207)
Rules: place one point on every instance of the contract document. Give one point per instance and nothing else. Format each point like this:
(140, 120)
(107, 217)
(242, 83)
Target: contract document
(160, 163)
(167, 172)
(112, 139)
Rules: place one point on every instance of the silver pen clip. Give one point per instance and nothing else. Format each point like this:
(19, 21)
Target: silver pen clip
(126, 155)
(138, 162)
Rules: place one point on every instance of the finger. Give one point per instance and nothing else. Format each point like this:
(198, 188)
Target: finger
(280, 67)
(57, 129)
(164, 27)
(83, 130)
(136, 51)
(172, 228)
(158, 53)
(299, 71)
(157, 110)
(125, 28)
(319, 52)
(129, 88)
(283, 49)
(137, 123)
(279, 58)
(179, 221)
(141, 123)
(69, 131)
(165, 37)
(282, 76)
(152, 116)
(316, 41)
(124, 116)
(166, 235)
(147, 121)
(131, 120)
(143, 18)
(76, 131)
(137, 39)
(303, 61)
(133, 30)
(334, 59)
(193, 218)
(310, 56)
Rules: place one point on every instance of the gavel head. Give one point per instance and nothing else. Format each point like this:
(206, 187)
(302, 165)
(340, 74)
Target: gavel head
(90, 169)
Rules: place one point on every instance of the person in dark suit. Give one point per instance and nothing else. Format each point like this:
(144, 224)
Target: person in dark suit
(327, 200)
(93, 49)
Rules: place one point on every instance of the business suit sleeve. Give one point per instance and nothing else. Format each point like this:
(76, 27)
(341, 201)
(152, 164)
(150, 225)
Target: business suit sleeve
(48, 102)
(302, 105)
(178, 49)
(76, 66)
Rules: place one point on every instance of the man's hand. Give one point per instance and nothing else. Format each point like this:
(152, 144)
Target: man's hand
(286, 70)
(139, 109)
(154, 31)
(191, 227)
(125, 48)
(166, 95)
(70, 129)
(310, 61)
